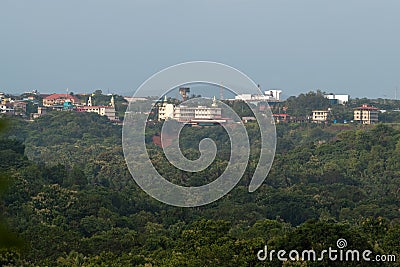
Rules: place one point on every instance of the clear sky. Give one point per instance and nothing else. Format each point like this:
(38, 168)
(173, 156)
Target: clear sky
(339, 46)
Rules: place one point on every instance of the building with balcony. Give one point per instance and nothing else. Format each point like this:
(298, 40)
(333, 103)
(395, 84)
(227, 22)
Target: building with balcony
(184, 113)
(366, 114)
(320, 115)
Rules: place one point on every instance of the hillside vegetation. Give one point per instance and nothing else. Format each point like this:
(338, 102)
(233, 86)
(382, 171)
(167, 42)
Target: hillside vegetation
(73, 202)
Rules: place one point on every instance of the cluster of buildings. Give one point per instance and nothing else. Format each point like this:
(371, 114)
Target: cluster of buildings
(365, 114)
(199, 115)
(11, 106)
(71, 102)
(60, 102)
(108, 111)
(203, 115)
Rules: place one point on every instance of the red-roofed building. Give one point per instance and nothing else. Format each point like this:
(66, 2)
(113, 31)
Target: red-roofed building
(59, 99)
(366, 114)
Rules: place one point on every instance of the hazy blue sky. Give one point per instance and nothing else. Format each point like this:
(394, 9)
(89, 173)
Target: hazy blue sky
(341, 46)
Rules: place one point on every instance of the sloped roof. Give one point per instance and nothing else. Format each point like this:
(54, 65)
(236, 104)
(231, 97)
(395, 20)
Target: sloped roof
(367, 107)
(61, 96)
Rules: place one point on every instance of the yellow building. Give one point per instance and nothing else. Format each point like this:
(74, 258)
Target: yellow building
(320, 115)
(366, 114)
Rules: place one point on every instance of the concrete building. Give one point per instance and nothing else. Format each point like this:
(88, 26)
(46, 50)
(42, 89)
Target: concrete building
(20, 107)
(281, 117)
(273, 94)
(7, 109)
(108, 111)
(248, 119)
(59, 99)
(12, 106)
(320, 115)
(165, 110)
(207, 113)
(41, 111)
(268, 96)
(338, 99)
(134, 99)
(5, 100)
(366, 114)
(184, 113)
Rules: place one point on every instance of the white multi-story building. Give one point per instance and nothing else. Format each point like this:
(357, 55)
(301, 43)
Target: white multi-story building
(165, 111)
(340, 99)
(185, 113)
(269, 95)
(273, 94)
(202, 112)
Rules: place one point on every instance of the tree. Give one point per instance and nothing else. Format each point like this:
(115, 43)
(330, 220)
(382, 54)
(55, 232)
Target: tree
(98, 92)
(8, 239)
(302, 105)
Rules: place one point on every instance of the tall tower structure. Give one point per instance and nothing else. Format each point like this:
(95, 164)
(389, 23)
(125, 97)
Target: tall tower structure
(90, 102)
(112, 102)
(221, 92)
(184, 92)
(214, 103)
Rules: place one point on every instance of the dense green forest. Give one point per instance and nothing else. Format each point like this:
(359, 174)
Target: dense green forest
(70, 200)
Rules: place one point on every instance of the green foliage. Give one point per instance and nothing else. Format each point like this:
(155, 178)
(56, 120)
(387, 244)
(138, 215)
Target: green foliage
(9, 151)
(72, 199)
(302, 105)
(240, 108)
(99, 99)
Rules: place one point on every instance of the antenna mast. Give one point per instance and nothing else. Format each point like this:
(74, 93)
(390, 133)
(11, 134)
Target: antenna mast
(259, 89)
(221, 92)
